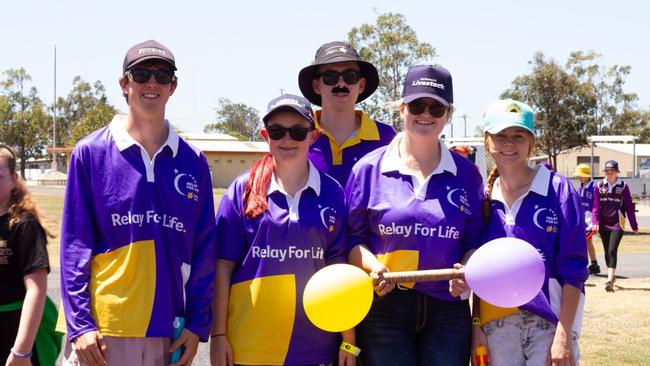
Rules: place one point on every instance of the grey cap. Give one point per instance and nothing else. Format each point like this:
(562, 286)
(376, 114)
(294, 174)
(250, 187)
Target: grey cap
(148, 50)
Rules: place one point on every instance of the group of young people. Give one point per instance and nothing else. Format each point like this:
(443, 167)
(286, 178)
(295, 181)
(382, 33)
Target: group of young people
(148, 269)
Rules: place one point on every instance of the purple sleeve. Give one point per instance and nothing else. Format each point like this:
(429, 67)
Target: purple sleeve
(628, 208)
(200, 285)
(357, 199)
(77, 241)
(473, 233)
(571, 259)
(231, 240)
(596, 206)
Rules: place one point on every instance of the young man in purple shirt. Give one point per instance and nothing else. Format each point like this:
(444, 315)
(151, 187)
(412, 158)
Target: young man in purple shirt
(337, 80)
(612, 204)
(137, 237)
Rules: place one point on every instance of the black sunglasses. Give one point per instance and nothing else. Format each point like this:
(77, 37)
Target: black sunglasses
(297, 133)
(417, 107)
(331, 77)
(142, 76)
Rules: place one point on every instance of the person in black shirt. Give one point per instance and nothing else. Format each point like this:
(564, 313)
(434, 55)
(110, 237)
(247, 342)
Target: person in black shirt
(24, 267)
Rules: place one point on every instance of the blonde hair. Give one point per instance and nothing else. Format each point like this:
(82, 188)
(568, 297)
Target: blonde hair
(21, 203)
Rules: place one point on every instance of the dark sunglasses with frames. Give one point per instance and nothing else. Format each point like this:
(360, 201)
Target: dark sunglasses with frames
(142, 76)
(417, 107)
(331, 77)
(297, 133)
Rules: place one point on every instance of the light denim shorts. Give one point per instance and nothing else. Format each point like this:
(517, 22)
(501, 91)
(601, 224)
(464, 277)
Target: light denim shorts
(522, 339)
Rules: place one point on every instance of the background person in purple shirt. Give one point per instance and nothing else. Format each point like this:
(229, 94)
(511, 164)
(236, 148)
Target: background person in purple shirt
(542, 208)
(586, 192)
(276, 226)
(612, 204)
(415, 205)
(337, 80)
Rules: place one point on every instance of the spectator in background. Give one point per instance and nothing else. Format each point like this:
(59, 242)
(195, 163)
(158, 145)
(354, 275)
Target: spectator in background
(612, 205)
(586, 191)
(24, 265)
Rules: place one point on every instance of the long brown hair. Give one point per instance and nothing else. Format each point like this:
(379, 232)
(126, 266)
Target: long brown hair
(21, 203)
(257, 184)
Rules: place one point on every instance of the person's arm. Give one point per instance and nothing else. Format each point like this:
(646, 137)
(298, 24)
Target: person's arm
(77, 243)
(595, 208)
(76, 250)
(562, 347)
(628, 207)
(356, 195)
(200, 285)
(30, 316)
(363, 258)
(347, 358)
(479, 339)
(220, 350)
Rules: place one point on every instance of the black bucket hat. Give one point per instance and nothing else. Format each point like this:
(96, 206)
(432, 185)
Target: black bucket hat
(334, 52)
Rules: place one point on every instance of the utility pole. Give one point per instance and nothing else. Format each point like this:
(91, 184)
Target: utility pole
(281, 91)
(54, 165)
(464, 117)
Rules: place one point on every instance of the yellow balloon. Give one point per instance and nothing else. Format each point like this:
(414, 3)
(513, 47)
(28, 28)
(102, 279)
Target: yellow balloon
(338, 297)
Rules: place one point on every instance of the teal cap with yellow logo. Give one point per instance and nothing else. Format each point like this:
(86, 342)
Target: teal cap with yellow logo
(506, 113)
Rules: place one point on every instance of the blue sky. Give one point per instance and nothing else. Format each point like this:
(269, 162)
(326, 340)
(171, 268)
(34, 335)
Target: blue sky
(248, 51)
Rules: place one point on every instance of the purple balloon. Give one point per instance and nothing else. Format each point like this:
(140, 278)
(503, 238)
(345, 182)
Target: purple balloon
(506, 272)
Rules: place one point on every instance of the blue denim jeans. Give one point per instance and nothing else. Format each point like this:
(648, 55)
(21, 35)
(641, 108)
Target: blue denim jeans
(522, 339)
(407, 327)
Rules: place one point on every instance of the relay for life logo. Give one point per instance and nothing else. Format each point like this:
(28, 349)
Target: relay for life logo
(186, 185)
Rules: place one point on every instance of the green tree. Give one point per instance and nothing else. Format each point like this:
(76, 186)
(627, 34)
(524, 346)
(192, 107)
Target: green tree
(24, 121)
(616, 111)
(83, 98)
(578, 100)
(392, 46)
(236, 119)
(92, 120)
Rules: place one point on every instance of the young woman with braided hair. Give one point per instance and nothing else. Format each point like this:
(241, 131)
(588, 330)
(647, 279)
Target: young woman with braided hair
(24, 266)
(276, 226)
(542, 208)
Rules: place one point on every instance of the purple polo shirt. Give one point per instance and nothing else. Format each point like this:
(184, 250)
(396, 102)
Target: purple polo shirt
(337, 161)
(410, 225)
(586, 192)
(612, 203)
(137, 237)
(275, 254)
(550, 217)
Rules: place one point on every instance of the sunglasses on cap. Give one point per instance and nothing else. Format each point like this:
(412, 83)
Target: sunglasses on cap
(297, 133)
(417, 107)
(142, 76)
(331, 77)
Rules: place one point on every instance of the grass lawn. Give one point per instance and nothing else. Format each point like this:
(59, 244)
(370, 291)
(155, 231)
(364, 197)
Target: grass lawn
(615, 328)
